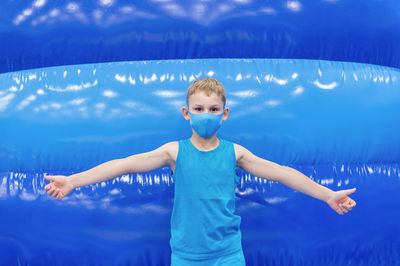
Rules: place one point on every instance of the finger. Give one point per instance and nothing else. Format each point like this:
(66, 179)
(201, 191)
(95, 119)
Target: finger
(48, 186)
(49, 177)
(343, 208)
(350, 205)
(347, 206)
(51, 190)
(54, 194)
(60, 195)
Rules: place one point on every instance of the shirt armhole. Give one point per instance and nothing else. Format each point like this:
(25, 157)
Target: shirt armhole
(237, 177)
(177, 160)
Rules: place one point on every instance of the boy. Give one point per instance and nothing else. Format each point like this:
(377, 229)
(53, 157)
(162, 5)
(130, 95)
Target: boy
(204, 228)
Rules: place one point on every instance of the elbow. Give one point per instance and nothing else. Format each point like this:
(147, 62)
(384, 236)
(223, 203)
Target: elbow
(282, 173)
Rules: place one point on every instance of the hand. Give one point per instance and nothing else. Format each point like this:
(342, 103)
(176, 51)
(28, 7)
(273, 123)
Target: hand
(340, 202)
(60, 186)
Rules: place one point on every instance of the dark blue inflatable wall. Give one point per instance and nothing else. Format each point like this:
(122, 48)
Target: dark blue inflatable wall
(313, 85)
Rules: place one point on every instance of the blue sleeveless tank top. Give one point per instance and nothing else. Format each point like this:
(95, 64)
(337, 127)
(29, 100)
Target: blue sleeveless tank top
(203, 223)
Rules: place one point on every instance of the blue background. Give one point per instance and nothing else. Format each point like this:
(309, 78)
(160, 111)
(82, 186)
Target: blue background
(313, 85)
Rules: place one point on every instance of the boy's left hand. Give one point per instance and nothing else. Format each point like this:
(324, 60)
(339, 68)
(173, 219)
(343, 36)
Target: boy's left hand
(340, 202)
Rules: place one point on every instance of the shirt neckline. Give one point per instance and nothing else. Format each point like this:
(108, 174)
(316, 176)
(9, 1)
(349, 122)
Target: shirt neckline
(210, 151)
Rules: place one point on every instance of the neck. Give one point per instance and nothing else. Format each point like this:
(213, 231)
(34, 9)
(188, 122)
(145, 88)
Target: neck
(205, 143)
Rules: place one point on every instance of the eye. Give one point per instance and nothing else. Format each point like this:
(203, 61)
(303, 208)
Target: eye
(215, 109)
(197, 108)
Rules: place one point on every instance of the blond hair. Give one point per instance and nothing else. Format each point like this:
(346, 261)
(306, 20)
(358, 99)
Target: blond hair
(207, 85)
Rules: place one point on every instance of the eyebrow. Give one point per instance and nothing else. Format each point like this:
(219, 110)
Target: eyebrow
(217, 105)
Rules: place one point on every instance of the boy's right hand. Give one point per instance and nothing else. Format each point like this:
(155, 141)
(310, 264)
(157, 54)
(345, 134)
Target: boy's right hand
(60, 186)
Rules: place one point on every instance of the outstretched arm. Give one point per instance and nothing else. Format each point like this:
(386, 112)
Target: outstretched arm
(337, 200)
(142, 162)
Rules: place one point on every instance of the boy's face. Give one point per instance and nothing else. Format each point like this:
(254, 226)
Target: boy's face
(199, 102)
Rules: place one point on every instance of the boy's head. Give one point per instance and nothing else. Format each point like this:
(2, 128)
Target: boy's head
(206, 102)
(207, 86)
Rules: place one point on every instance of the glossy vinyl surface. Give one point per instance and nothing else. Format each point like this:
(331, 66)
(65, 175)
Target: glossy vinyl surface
(43, 33)
(336, 122)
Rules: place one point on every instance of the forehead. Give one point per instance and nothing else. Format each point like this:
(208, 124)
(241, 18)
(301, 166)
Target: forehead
(201, 98)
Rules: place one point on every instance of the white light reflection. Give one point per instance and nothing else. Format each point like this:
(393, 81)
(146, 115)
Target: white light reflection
(97, 15)
(245, 94)
(5, 101)
(231, 103)
(40, 92)
(130, 104)
(272, 103)
(131, 80)
(119, 78)
(39, 3)
(167, 94)
(27, 196)
(26, 102)
(191, 78)
(268, 10)
(56, 105)
(200, 11)
(279, 81)
(3, 188)
(224, 8)
(275, 200)
(328, 86)
(13, 89)
(294, 6)
(127, 9)
(72, 7)
(177, 103)
(174, 9)
(77, 101)
(100, 105)
(154, 78)
(74, 87)
(28, 11)
(210, 73)
(242, 1)
(110, 94)
(106, 3)
(299, 90)
(327, 181)
(41, 107)
(54, 13)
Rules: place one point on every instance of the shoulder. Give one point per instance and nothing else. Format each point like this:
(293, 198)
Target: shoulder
(242, 154)
(239, 152)
(171, 148)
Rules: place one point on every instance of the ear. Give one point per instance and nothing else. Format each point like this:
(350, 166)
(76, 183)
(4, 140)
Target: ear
(226, 113)
(185, 113)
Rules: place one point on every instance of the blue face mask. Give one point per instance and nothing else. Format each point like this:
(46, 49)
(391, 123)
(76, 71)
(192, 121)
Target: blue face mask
(205, 124)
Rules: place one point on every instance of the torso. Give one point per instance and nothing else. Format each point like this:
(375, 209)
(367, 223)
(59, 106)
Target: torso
(173, 149)
(203, 222)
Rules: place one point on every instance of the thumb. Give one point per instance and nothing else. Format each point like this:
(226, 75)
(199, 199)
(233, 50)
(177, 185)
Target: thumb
(350, 191)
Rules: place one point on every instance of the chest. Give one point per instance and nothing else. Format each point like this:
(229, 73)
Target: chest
(205, 176)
